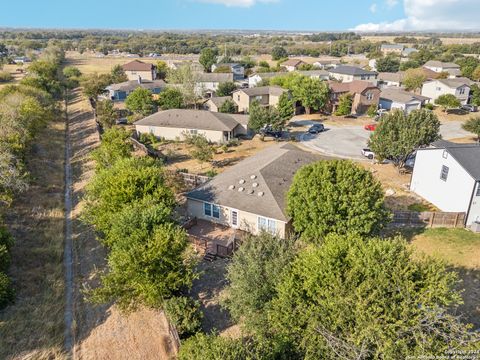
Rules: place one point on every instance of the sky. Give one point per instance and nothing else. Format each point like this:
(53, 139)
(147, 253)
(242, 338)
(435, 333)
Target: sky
(307, 15)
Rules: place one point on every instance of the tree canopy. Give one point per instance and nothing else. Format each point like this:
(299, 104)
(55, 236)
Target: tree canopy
(170, 98)
(208, 57)
(388, 64)
(228, 107)
(473, 125)
(448, 101)
(140, 101)
(414, 79)
(226, 88)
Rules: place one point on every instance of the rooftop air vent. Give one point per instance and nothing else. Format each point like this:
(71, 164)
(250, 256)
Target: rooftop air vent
(260, 193)
(255, 184)
(240, 189)
(250, 192)
(231, 187)
(253, 177)
(241, 181)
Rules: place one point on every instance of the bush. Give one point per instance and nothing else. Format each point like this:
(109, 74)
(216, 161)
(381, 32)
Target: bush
(6, 242)
(5, 76)
(7, 294)
(372, 110)
(429, 106)
(185, 314)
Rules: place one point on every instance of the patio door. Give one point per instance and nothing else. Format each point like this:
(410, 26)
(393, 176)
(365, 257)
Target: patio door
(234, 218)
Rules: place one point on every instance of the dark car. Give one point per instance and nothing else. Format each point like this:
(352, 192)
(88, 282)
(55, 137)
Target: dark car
(469, 108)
(316, 128)
(269, 131)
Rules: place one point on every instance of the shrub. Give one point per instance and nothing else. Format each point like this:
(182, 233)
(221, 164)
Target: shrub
(5, 76)
(7, 294)
(184, 313)
(429, 106)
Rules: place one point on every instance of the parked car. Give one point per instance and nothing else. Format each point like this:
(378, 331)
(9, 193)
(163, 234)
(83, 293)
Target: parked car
(368, 153)
(316, 128)
(469, 108)
(121, 121)
(351, 116)
(370, 127)
(269, 131)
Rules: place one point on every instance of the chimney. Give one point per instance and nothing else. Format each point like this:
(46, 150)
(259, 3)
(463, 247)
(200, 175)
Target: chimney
(139, 79)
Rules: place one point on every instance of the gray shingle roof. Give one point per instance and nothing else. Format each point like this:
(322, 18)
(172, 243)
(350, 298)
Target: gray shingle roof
(194, 119)
(215, 77)
(445, 65)
(467, 155)
(264, 90)
(219, 100)
(133, 84)
(400, 95)
(351, 70)
(272, 170)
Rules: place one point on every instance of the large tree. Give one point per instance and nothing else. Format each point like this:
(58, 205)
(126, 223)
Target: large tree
(208, 57)
(170, 98)
(228, 107)
(279, 53)
(397, 135)
(185, 80)
(106, 113)
(162, 69)
(117, 74)
(473, 125)
(226, 88)
(414, 79)
(448, 101)
(140, 102)
(388, 64)
(94, 85)
(344, 105)
(353, 298)
(286, 107)
(335, 196)
(114, 146)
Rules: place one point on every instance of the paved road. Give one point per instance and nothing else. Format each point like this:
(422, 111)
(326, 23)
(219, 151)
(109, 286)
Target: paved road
(348, 141)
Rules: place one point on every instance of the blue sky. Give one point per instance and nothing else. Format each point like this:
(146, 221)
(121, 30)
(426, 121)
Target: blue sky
(362, 15)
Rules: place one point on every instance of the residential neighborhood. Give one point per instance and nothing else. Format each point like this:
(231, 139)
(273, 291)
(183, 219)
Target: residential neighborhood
(238, 180)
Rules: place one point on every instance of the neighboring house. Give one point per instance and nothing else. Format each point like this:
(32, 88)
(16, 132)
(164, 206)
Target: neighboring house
(215, 103)
(438, 66)
(138, 69)
(293, 64)
(175, 65)
(396, 98)
(387, 79)
(364, 94)
(176, 123)
(207, 83)
(315, 74)
(448, 176)
(346, 73)
(22, 60)
(237, 70)
(257, 78)
(396, 49)
(327, 63)
(408, 51)
(251, 195)
(460, 87)
(265, 95)
(120, 91)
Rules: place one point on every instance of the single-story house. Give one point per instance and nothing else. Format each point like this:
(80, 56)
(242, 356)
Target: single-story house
(176, 123)
(396, 49)
(438, 66)
(207, 83)
(396, 98)
(327, 63)
(448, 176)
(257, 78)
(460, 87)
(364, 94)
(138, 69)
(346, 73)
(265, 95)
(315, 74)
(236, 69)
(251, 195)
(408, 51)
(22, 60)
(388, 79)
(215, 103)
(293, 64)
(120, 91)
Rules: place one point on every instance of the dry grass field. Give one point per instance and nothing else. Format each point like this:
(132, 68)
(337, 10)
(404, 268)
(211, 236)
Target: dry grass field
(33, 327)
(12, 69)
(445, 40)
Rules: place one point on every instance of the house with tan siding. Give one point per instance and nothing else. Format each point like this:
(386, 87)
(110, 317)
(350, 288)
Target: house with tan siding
(264, 95)
(364, 94)
(346, 73)
(215, 103)
(251, 195)
(137, 69)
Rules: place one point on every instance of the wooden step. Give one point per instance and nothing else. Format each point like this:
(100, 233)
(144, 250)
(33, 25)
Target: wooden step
(209, 257)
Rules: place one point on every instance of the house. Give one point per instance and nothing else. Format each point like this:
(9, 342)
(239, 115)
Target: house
(448, 176)
(438, 66)
(207, 83)
(315, 74)
(346, 73)
(251, 195)
(175, 124)
(395, 49)
(215, 103)
(364, 94)
(22, 60)
(138, 69)
(388, 79)
(257, 78)
(408, 51)
(327, 63)
(120, 91)
(237, 70)
(293, 64)
(460, 87)
(265, 95)
(396, 98)
(194, 65)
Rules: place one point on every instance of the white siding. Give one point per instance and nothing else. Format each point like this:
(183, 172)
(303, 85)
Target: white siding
(170, 133)
(434, 89)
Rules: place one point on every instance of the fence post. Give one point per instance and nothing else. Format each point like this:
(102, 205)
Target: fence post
(456, 220)
(432, 218)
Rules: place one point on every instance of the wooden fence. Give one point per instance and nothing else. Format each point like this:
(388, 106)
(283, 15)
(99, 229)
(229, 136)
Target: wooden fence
(193, 180)
(429, 219)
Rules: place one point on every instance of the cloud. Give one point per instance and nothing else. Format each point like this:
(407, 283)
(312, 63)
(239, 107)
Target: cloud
(431, 15)
(391, 3)
(373, 8)
(238, 3)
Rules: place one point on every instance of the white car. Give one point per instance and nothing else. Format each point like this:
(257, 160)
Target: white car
(368, 153)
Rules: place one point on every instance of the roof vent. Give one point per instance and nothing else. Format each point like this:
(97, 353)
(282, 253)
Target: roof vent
(231, 187)
(253, 177)
(240, 189)
(260, 193)
(255, 184)
(250, 192)
(241, 181)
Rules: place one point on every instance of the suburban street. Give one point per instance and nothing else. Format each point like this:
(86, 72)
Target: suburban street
(348, 141)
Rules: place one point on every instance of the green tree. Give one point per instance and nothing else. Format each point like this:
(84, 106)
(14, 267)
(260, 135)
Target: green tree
(202, 150)
(94, 85)
(335, 196)
(185, 315)
(208, 57)
(226, 88)
(114, 146)
(476, 73)
(185, 79)
(170, 98)
(117, 74)
(448, 101)
(162, 70)
(414, 79)
(44, 75)
(344, 105)
(140, 102)
(473, 125)
(372, 110)
(228, 107)
(397, 135)
(261, 116)
(72, 76)
(475, 95)
(7, 293)
(468, 64)
(409, 64)
(367, 299)
(388, 64)
(6, 243)
(106, 113)
(253, 275)
(278, 53)
(286, 107)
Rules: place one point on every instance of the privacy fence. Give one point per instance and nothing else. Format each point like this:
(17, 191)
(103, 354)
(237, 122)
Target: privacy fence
(429, 219)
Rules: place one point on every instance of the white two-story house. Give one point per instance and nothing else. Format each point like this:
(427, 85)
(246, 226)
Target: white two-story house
(460, 87)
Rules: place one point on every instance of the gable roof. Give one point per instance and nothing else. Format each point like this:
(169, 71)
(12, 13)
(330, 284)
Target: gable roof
(391, 76)
(440, 64)
(263, 90)
(194, 119)
(467, 155)
(351, 70)
(137, 65)
(272, 170)
(215, 77)
(268, 75)
(219, 100)
(400, 95)
(133, 84)
(355, 86)
(314, 72)
(293, 62)
(455, 82)
(393, 46)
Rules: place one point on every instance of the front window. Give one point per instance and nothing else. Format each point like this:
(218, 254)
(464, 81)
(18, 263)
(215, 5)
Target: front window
(444, 173)
(193, 131)
(216, 211)
(268, 225)
(207, 209)
(369, 96)
(211, 210)
(462, 91)
(478, 188)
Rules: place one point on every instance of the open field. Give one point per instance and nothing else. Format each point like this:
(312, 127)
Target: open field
(33, 327)
(12, 69)
(445, 40)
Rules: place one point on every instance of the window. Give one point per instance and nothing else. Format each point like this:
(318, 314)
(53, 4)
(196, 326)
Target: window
(268, 225)
(444, 173)
(207, 209)
(438, 89)
(259, 98)
(363, 77)
(478, 188)
(445, 154)
(216, 211)
(211, 210)
(193, 131)
(238, 97)
(462, 91)
(369, 96)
